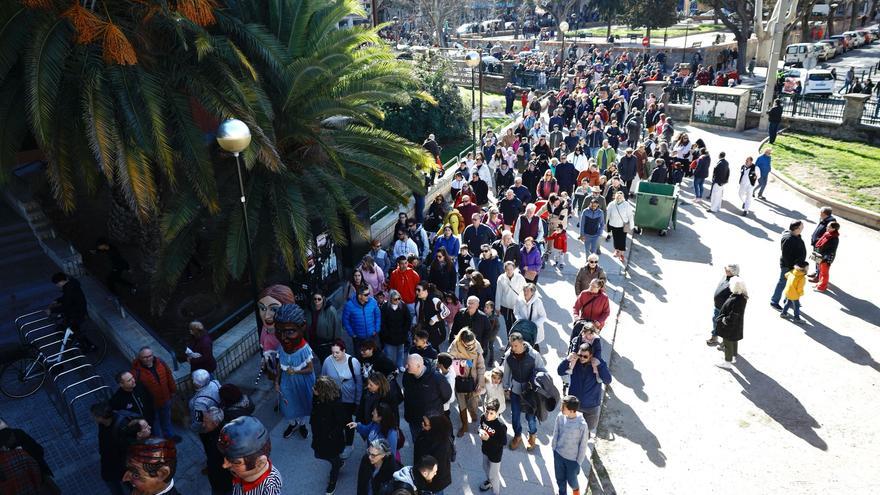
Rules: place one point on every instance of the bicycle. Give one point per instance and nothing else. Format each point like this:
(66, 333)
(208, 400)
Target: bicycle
(24, 368)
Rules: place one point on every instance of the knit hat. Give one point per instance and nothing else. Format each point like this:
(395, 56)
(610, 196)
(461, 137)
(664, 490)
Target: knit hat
(290, 313)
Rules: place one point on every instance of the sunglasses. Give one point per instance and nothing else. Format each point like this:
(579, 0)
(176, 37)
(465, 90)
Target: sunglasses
(583, 356)
(395, 299)
(319, 299)
(592, 262)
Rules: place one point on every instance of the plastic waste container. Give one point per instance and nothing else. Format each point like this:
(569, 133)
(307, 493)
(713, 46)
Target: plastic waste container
(656, 206)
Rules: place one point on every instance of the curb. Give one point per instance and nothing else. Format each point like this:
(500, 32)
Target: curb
(847, 211)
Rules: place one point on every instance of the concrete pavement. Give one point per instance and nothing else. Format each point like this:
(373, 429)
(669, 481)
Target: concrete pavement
(797, 415)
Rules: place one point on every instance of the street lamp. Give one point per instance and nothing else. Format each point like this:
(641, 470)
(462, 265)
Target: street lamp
(234, 136)
(687, 26)
(830, 29)
(563, 27)
(472, 60)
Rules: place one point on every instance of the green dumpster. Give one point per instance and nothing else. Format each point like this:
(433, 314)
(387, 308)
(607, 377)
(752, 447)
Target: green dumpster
(656, 206)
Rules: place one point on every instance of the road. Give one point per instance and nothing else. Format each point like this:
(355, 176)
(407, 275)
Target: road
(797, 415)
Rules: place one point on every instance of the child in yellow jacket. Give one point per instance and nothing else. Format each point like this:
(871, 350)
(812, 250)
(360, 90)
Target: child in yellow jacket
(794, 289)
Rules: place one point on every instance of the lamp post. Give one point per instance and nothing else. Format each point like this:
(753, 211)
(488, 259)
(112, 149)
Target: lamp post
(472, 60)
(234, 136)
(563, 27)
(687, 26)
(830, 29)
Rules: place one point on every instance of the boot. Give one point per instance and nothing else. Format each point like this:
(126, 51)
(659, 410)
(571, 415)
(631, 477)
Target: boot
(514, 444)
(463, 415)
(532, 440)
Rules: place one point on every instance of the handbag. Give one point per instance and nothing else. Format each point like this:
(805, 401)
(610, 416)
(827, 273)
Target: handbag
(465, 384)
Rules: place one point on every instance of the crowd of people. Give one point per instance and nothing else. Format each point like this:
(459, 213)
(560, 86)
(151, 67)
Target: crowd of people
(449, 315)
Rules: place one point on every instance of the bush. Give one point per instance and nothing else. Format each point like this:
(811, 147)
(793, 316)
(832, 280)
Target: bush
(448, 120)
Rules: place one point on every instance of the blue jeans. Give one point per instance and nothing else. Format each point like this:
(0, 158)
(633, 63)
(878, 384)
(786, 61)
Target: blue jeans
(516, 411)
(593, 152)
(162, 425)
(566, 473)
(591, 243)
(780, 285)
(396, 353)
(419, 207)
(792, 304)
(698, 187)
(762, 183)
(715, 313)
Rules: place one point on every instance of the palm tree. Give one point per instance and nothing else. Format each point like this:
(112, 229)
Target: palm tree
(114, 91)
(327, 88)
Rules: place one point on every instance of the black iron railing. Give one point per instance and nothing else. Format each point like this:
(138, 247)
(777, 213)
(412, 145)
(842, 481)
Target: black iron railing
(871, 113)
(814, 107)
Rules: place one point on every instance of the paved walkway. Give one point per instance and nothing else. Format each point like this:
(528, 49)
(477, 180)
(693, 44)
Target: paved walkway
(798, 414)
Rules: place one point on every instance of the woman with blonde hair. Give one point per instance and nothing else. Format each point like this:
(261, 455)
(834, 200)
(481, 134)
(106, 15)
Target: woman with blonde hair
(620, 221)
(372, 275)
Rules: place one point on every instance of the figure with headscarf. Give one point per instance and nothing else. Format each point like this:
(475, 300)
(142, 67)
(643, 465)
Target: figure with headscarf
(296, 375)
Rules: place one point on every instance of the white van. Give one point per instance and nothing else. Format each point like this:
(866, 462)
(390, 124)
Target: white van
(797, 53)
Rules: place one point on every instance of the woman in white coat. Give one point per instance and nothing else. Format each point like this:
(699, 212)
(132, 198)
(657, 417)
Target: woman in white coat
(530, 307)
(748, 177)
(579, 159)
(620, 222)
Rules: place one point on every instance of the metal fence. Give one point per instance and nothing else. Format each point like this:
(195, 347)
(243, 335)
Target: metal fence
(814, 107)
(682, 94)
(871, 113)
(530, 79)
(756, 98)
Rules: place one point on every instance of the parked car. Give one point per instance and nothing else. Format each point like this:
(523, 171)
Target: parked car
(855, 38)
(838, 44)
(824, 51)
(813, 82)
(847, 45)
(797, 53)
(869, 37)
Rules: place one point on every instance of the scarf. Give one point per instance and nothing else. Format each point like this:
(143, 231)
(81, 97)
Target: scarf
(826, 237)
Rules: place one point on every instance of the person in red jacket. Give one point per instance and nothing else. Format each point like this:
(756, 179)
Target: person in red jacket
(558, 242)
(155, 375)
(404, 280)
(592, 304)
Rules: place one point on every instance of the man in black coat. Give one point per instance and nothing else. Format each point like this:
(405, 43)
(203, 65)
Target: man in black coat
(627, 168)
(509, 97)
(566, 175)
(505, 247)
(474, 319)
(720, 177)
(424, 392)
(133, 397)
(793, 252)
(825, 217)
(774, 117)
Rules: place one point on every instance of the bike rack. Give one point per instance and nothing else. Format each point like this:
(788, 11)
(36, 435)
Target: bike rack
(69, 385)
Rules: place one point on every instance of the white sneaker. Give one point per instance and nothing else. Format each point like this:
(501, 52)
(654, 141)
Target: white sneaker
(734, 360)
(724, 365)
(346, 452)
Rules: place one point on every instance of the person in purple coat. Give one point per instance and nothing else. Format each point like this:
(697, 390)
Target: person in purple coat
(530, 260)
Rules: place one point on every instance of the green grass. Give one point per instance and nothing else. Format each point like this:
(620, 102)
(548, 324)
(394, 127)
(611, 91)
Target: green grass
(656, 34)
(452, 149)
(844, 170)
(489, 100)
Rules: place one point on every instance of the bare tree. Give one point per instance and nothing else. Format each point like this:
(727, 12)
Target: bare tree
(559, 9)
(437, 12)
(738, 16)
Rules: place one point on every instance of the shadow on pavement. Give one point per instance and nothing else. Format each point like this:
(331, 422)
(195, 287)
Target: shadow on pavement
(853, 306)
(736, 220)
(623, 370)
(633, 429)
(778, 403)
(781, 210)
(843, 345)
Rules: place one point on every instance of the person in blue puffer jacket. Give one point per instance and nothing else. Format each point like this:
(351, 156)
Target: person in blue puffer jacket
(588, 372)
(592, 225)
(362, 318)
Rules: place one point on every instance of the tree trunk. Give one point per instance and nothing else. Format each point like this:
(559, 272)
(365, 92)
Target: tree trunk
(122, 222)
(856, 7)
(608, 32)
(742, 46)
(149, 238)
(805, 25)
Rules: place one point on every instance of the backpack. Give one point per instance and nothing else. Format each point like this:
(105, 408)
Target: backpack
(527, 329)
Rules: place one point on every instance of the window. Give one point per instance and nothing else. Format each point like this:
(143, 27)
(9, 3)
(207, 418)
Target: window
(822, 76)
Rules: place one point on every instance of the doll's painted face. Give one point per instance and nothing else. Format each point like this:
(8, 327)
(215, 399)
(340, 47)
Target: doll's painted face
(268, 305)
